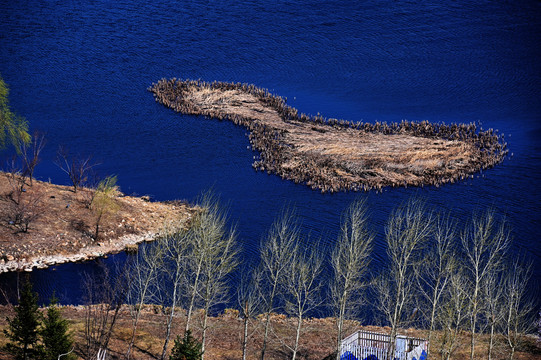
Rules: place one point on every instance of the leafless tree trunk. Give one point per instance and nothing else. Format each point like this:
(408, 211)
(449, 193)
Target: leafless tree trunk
(275, 252)
(218, 251)
(350, 260)
(30, 154)
(518, 309)
(144, 275)
(16, 180)
(493, 310)
(195, 267)
(484, 244)
(248, 302)
(407, 231)
(434, 277)
(77, 168)
(176, 242)
(104, 298)
(302, 287)
(24, 206)
(454, 312)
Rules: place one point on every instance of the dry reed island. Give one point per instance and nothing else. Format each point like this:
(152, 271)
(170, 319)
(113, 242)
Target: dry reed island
(336, 155)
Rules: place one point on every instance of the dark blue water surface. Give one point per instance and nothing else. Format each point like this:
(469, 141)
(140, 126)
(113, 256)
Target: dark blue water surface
(79, 71)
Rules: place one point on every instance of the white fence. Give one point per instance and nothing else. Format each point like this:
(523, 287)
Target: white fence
(369, 345)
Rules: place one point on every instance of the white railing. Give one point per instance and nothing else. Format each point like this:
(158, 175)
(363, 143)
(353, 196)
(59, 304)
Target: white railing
(363, 344)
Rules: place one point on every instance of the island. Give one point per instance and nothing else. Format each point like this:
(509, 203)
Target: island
(337, 155)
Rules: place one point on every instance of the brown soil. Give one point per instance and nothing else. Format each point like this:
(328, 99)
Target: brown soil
(65, 226)
(225, 335)
(333, 155)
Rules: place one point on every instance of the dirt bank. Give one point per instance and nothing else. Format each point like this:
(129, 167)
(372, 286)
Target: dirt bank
(63, 230)
(225, 334)
(334, 155)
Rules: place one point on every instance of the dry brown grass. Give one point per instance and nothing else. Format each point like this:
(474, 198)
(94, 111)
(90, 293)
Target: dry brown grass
(66, 223)
(224, 336)
(337, 155)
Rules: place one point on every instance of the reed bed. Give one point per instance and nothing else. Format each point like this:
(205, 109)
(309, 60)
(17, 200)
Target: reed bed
(338, 155)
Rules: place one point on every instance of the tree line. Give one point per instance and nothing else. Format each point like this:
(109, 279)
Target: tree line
(445, 278)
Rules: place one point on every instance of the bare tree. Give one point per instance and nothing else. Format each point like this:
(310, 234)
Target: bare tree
(518, 319)
(434, 277)
(104, 296)
(217, 248)
(249, 301)
(143, 275)
(200, 259)
(23, 207)
(484, 244)
(16, 180)
(77, 168)
(407, 231)
(30, 153)
(350, 260)
(176, 242)
(453, 313)
(302, 287)
(492, 298)
(104, 202)
(275, 253)
(26, 211)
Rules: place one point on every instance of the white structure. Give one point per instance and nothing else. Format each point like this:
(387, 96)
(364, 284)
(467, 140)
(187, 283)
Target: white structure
(367, 345)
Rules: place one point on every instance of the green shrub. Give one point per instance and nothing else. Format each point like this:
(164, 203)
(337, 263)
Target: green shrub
(187, 348)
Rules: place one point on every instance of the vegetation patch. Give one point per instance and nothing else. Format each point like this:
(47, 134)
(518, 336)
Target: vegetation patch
(335, 155)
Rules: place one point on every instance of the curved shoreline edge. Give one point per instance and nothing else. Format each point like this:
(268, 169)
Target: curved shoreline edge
(62, 230)
(338, 155)
(85, 254)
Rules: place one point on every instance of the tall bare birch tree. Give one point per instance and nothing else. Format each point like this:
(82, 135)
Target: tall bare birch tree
(249, 301)
(275, 252)
(484, 243)
(350, 260)
(210, 256)
(143, 273)
(454, 313)
(518, 310)
(435, 276)
(175, 246)
(302, 287)
(407, 231)
(219, 260)
(492, 298)
(105, 293)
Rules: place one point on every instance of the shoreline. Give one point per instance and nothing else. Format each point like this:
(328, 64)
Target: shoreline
(85, 254)
(63, 229)
(337, 155)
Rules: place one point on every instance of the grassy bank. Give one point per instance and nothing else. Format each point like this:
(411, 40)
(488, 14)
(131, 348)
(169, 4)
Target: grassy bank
(225, 336)
(62, 226)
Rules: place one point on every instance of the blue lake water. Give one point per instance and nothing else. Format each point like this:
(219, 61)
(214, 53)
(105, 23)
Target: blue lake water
(79, 71)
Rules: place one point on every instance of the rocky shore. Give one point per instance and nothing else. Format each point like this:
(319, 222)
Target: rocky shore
(125, 243)
(336, 155)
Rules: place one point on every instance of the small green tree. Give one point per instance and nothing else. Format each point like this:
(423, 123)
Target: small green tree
(12, 127)
(55, 336)
(104, 202)
(23, 329)
(187, 348)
